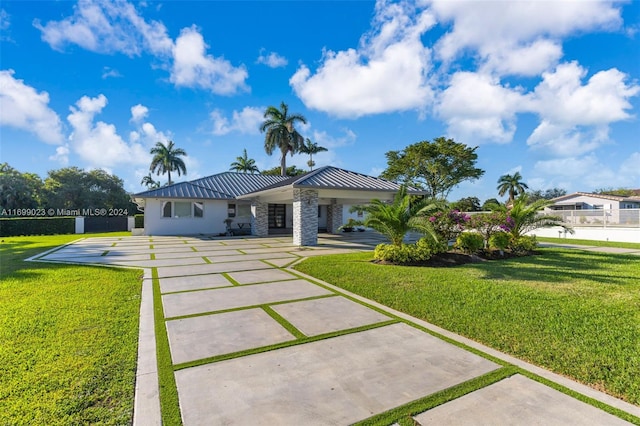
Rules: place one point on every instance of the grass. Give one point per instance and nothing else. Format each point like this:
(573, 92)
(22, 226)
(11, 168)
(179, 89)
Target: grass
(576, 313)
(68, 338)
(591, 243)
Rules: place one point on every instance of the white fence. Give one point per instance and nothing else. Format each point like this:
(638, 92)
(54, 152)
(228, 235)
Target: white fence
(605, 218)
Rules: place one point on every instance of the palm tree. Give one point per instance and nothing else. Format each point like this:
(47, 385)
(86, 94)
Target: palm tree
(513, 185)
(149, 182)
(396, 219)
(523, 217)
(311, 148)
(166, 158)
(244, 164)
(281, 133)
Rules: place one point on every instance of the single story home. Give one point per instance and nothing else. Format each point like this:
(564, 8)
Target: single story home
(586, 209)
(261, 205)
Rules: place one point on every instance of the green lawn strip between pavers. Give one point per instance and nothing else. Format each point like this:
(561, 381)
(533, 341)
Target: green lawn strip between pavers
(169, 402)
(403, 414)
(582, 397)
(206, 260)
(152, 256)
(193, 248)
(283, 322)
(590, 243)
(231, 280)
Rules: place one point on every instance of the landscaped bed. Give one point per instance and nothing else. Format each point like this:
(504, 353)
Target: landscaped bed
(574, 312)
(68, 338)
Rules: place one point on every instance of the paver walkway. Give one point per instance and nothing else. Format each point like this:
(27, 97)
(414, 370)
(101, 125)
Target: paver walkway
(251, 342)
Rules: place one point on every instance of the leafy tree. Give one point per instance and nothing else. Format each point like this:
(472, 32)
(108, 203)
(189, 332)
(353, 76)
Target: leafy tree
(149, 182)
(396, 219)
(511, 184)
(620, 192)
(244, 164)
(526, 217)
(277, 171)
(166, 158)
(489, 204)
(19, 190)
(436, 166)
(549, 194)
(468, 204)
(311, 148)
(281, 134)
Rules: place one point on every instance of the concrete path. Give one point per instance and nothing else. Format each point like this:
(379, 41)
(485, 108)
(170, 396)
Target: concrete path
(252, 342)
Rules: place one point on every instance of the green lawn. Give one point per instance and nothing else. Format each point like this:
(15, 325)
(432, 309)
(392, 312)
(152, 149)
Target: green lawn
(574, 312)
(592, 243)
(68, 338)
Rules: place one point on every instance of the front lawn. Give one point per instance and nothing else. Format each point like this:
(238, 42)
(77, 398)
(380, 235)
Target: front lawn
(573, 312)
(68, 338)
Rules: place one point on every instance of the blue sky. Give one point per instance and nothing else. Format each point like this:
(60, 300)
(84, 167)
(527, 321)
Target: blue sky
(549, 89)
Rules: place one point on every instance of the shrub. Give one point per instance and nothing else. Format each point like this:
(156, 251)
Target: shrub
(449, 224)
(524, 244)
(500, 241)
(470, 242)
(10, 227)
(139, 221)
(405, 253)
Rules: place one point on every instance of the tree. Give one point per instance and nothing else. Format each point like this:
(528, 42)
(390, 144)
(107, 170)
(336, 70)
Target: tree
(526, 217)
(149, 182)
(468, 204)
(281, 134)
(19, 190)
(277, 171)
(396, 219)
(244, 164)
(436, 167)
(490, 204)
(311, 148)
(166, 158)
(549, 194)
(511, 184)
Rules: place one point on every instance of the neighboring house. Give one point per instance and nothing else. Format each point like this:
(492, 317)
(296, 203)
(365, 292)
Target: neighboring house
(582, 208)
(261, 205)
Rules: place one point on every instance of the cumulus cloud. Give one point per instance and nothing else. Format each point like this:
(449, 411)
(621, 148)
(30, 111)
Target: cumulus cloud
(98, 143)
(26, 109)
(518, 37)
(477, 107)
(322, 138)
(110, 72)
(108, 27)
(61, 155)
(138, 113)
(271, 59)
(192, 67)
(388, 72)
(246, 121)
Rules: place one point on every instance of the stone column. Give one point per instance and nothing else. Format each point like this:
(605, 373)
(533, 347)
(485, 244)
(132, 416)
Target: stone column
(259, 218)
(334, 218)
(305, 217)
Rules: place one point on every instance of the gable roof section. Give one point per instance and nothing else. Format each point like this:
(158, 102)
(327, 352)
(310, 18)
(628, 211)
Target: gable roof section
(329, 177)
(601, 196)
(221, 186)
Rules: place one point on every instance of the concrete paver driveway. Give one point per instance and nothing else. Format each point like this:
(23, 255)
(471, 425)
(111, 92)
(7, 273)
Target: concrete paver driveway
(254, 343)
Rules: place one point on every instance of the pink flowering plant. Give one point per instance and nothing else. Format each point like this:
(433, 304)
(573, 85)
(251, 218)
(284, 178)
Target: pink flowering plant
(449, 224)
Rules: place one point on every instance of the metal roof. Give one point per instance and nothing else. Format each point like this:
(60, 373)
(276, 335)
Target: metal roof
(221, 186)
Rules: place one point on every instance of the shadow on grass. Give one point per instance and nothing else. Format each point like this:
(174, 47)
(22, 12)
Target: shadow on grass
(562, 266)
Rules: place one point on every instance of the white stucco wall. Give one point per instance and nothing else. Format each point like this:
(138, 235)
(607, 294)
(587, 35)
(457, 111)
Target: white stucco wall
(622, 235)
(211, 222)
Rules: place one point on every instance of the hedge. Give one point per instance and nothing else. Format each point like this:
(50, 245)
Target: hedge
(10, 227)
(139, 221)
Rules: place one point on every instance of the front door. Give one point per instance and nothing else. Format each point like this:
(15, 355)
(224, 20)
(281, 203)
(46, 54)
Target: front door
(277, 215)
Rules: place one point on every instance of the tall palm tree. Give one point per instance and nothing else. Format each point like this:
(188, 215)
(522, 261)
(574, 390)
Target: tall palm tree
(166, 158)
(311, 148)
(244, 164)
(281, 134)
(149, 182)
(396, 219)
(511, 184)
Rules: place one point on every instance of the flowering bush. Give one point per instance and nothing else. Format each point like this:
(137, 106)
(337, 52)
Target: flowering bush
(488, 224)
(448, 225)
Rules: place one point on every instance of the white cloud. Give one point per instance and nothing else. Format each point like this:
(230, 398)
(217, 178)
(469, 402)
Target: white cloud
(575, 117)
(110, 72)
(246, 121)
(192, 67)
(272, 59)
(107, 27)
(138, 113)
(631, 170)
(61, 155)
(518, 37)
(322, 138)
(476, 107)
(387, 73)
(99, 143)
(5, 24)
(26, 109)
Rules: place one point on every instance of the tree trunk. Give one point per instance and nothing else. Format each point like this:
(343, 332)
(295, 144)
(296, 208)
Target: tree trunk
(283, 164)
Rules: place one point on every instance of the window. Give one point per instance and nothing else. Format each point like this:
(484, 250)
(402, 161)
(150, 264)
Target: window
(178, 209)
(231, 210)
(319, 211)
(244, 210)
